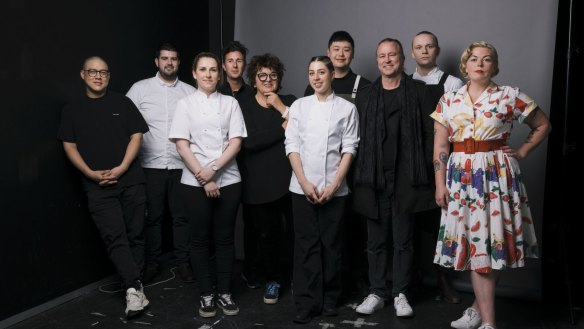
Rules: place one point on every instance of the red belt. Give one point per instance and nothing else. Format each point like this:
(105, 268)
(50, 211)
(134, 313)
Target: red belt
(471, 146)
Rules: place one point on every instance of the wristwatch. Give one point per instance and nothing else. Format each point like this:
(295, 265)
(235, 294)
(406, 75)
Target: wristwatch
(215, 168)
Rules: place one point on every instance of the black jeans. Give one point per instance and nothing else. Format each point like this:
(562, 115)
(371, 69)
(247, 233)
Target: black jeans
(269, 222)
(118, 214)
(161, 190)
(317, 253)
(389, 227)
(212, 220)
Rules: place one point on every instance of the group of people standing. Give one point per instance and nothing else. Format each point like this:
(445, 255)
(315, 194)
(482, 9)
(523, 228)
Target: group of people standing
(350, 155)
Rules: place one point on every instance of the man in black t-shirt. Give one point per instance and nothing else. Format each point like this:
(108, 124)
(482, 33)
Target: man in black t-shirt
(341, 51)
(101, 133)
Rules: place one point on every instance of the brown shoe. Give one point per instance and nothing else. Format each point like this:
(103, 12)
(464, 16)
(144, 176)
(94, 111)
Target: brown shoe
(184, 272)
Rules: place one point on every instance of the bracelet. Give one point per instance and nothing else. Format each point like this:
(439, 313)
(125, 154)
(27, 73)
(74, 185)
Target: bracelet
(286, 112)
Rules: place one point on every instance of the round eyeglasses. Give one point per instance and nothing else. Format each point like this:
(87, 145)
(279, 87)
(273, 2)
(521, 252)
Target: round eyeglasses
(93, 73)
(264, 76)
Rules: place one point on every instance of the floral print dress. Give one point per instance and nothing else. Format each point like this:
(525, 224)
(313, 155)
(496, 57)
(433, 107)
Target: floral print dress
(487, 224)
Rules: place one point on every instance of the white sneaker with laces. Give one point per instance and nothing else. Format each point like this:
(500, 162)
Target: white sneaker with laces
(370, 304)
(470, 319)
(402, 307)
(135, 301)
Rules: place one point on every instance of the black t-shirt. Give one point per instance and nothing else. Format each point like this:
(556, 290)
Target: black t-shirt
(265, 169)
(241, 95)
(391, 114)
(101, 129)
(343, 87)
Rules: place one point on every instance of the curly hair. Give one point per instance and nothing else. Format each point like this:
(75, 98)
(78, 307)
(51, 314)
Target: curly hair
(468, 52)
(266, 60)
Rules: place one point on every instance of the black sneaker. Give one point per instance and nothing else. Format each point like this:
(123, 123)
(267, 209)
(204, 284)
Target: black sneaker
(207, 308)
(226, 303)
(251, 280)
(151, 270)
(185, 273)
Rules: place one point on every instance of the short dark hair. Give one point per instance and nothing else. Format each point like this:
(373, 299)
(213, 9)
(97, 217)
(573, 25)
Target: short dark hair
(325, 60)
(234, 46)
(430, 34)
(341, 36)
(166, 46)
(266, 60)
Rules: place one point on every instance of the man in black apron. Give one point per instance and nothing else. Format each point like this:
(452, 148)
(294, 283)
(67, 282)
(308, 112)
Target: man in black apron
(425, 51)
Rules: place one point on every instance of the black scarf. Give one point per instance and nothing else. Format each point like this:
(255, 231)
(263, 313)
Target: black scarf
(369, 168)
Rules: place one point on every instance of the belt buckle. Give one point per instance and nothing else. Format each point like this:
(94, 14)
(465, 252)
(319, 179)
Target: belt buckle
(469, 146)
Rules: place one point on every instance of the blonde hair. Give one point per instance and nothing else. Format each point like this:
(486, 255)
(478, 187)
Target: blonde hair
(468, 52)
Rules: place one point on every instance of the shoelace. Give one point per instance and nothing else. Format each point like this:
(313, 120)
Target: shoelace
(401, 301)
(370, 300)
(208, 300)
(227, 298)
(272, 289)
(471, 313)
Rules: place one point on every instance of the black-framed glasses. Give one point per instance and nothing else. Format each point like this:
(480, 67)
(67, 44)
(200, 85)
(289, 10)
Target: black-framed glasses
(93, 73)
(264, 76)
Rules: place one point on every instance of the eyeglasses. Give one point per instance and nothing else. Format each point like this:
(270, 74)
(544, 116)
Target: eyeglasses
(93, 73)
(264, 76)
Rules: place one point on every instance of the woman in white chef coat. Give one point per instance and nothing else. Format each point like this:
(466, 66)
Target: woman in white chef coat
(321, 141)
(208, 129)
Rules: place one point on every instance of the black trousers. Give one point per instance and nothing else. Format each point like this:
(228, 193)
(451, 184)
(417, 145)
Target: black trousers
(269, 223)
(212, 221)
(250, 244)
(400, 230)
(118, 214)
(317, 253)
(162, 190)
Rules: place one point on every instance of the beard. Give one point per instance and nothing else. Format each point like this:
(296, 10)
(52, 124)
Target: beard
(168, 76)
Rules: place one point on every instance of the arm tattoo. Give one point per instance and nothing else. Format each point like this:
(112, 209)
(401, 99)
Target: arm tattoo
(443, 156)
(436, 164)
(439, 164)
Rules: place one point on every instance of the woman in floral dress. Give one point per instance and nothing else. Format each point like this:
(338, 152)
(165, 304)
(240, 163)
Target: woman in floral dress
(486, 224)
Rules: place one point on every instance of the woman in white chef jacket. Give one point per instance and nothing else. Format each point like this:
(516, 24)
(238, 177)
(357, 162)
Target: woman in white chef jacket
(321, 141)
(208, 129)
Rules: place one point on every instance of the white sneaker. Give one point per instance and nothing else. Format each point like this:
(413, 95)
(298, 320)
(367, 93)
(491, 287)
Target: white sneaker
(470, 319)
(486, 326)
(402, 307)
(135, 302)
(371, 304)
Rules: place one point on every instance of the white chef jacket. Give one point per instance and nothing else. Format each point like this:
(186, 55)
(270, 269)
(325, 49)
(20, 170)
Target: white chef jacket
(209, 123)
(321, 132)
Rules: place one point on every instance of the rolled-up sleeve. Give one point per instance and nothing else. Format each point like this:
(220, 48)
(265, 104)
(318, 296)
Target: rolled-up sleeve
(292, 141)
(350, 139)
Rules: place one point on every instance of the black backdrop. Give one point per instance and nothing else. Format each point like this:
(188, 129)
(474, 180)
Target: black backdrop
(48, 244)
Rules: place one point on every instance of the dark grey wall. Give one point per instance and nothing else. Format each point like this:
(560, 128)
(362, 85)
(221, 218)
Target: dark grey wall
(523, 32)
(48, 244)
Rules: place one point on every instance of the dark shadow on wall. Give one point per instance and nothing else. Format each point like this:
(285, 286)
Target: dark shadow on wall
(48, 243)
(563, 229)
